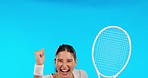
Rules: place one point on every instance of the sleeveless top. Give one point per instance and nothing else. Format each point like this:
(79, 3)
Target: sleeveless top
(76, 72)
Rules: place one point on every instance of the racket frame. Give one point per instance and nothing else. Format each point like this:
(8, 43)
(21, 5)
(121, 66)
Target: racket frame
(130, 49)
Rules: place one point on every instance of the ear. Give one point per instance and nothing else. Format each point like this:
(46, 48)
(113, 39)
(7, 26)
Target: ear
(55, 62)
(75, 62)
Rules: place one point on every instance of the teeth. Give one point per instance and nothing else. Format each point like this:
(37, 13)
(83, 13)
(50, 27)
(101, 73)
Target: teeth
(64, 70)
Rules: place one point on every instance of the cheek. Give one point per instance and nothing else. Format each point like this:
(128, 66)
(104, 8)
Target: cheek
(58, 65)
(71, 64)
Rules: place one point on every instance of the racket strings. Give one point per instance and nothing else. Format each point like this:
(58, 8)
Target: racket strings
(110, 35)
(111, 51)
(112, 66)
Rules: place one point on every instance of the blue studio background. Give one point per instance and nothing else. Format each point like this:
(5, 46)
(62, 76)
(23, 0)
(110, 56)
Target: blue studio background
(29, 25)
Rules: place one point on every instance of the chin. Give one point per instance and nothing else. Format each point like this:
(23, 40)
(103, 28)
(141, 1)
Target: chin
(67, 75)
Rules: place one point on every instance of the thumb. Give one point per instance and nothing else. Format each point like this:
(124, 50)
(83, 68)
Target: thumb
(42, 50)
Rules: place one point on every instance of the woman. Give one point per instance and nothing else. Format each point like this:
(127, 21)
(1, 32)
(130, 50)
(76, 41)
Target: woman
(65, 62)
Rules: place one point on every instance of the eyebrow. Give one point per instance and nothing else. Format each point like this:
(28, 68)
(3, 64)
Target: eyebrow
(67, 58)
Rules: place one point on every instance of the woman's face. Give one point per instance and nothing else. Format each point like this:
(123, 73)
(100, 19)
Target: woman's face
(65, 64)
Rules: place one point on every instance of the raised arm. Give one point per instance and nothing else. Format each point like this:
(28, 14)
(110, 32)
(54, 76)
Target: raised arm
(39, 66)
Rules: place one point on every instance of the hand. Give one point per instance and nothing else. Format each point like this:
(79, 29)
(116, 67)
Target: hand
(40, 57)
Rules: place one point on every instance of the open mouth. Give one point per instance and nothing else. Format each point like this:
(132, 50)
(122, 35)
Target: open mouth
(64, 70)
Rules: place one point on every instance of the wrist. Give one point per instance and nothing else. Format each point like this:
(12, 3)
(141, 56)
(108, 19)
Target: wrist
(38, 70)
(39, 63)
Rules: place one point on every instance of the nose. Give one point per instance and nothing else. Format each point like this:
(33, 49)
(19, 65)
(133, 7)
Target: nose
(64, 64)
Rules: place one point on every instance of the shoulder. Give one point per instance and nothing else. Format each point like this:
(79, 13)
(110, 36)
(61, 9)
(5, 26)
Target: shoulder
(79, 73)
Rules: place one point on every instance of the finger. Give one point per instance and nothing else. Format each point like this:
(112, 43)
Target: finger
(42, 50)
(37, 54)
(39, 51)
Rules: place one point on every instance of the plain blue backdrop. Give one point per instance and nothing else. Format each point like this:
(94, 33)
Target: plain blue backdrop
(29, 25)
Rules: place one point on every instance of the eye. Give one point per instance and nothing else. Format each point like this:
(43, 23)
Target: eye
(59, 60)
(70, 60)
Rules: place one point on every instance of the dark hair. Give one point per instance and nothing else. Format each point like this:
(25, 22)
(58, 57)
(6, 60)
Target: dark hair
(66, 47)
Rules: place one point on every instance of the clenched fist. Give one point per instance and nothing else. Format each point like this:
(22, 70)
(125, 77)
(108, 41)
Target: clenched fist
(40, 57)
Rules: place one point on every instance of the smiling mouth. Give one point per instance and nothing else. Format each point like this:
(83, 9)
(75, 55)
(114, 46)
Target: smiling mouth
(64, 70)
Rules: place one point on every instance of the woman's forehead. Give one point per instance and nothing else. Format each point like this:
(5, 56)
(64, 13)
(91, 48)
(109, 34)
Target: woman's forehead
(65, 54)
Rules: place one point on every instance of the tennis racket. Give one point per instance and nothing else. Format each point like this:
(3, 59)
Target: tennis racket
(111, 51)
